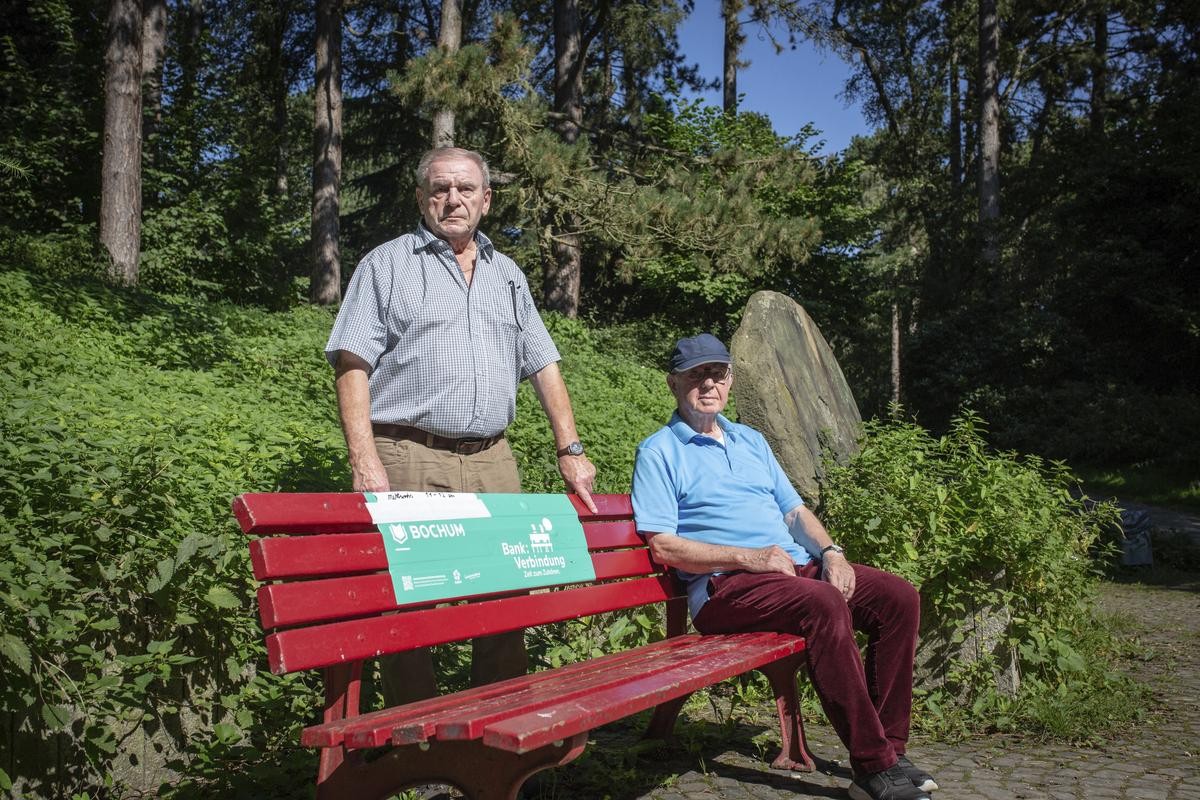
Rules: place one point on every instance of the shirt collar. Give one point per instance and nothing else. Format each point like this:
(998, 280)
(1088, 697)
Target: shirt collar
(429, 240)
(685, 433)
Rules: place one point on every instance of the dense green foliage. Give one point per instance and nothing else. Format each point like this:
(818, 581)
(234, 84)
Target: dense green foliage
(133, 420)
(990, 538)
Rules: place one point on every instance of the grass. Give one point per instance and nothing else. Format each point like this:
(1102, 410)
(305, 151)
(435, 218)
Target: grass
(1171, 485)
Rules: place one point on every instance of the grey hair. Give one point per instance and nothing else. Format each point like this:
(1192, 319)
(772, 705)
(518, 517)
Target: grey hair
(422, 171)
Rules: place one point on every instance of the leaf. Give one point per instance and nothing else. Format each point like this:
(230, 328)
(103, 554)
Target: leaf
(187, 549)
(16, 651)
(160, 647)
(226, 733)
(56, 717)
(166, 571)
(5, 781)
(221, 597)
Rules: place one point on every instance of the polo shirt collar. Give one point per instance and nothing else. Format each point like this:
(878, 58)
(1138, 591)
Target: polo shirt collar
(685, 433)
(428, 239)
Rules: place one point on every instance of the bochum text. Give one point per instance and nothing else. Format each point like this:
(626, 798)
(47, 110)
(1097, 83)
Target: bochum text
(441, 530)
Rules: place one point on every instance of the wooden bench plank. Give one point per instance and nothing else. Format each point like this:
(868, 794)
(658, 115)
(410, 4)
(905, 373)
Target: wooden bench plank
(661, 661)
(263, 514)
(339, 642)
(529, 731)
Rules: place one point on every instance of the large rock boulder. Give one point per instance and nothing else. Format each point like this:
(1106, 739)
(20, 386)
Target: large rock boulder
(789, 386)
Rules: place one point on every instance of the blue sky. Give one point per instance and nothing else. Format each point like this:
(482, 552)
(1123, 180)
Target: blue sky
(792, 88)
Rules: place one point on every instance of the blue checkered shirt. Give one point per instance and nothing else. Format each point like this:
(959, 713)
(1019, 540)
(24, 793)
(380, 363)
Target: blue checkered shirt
(445, 357)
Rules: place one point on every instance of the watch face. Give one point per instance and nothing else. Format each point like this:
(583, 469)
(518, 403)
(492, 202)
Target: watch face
(575, 449)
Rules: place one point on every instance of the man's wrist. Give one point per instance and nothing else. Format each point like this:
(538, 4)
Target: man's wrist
(831, 548)
(575, 448)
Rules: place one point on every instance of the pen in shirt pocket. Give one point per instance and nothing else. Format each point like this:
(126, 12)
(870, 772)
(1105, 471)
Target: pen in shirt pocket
(512, 288)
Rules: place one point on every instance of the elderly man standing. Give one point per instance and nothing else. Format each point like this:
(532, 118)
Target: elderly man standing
(714, 504)
(436, 331)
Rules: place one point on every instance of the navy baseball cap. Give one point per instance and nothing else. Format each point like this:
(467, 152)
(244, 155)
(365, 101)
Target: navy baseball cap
(693, 351)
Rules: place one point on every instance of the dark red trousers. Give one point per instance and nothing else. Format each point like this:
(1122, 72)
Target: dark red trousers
(869, 704)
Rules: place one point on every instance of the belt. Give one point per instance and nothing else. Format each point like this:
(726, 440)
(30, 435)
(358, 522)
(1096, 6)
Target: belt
(463, 447)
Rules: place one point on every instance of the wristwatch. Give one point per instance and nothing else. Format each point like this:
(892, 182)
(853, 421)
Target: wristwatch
(834, 547)
(573, 449)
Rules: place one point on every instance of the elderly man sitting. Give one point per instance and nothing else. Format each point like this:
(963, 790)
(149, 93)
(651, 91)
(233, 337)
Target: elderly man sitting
(713, 503)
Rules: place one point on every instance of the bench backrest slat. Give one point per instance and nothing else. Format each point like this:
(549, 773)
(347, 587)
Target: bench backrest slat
(339, 642)
(263, 514)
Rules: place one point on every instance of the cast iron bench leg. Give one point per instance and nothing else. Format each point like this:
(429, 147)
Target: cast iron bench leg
(794, 754)
(478, 771)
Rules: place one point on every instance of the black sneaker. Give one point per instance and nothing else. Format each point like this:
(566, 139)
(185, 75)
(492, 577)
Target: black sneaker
(919, 777)
(891, 784)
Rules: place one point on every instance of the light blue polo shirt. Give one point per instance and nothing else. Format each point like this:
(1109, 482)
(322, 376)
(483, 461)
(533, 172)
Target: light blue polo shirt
(694, 486)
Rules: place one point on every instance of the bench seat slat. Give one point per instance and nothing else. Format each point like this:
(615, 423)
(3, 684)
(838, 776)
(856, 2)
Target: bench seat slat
(531, 730)
(662, 659)
(339, 642)
(263, 514)
(285, 604)
(344, 553)
(422, 723)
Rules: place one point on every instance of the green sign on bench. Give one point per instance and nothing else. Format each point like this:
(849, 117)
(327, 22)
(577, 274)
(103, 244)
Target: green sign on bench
(442, 544)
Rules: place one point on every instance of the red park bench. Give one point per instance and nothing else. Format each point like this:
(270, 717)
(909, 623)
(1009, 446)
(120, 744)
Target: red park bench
(327, 603)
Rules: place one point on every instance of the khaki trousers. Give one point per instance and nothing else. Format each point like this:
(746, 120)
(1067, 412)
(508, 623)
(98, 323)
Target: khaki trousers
(412, 466)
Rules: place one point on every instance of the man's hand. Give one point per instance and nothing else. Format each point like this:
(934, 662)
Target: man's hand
(839, 572)
(579, 474)
(368, 475)
(770, 559)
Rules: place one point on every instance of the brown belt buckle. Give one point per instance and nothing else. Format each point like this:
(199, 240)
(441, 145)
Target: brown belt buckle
(469, 447)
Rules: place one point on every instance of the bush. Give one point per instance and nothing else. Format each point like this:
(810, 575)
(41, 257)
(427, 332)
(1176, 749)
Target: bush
(133, 420)
(977, 529)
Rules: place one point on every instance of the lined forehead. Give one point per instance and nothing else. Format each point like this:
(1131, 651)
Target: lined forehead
(455, 171)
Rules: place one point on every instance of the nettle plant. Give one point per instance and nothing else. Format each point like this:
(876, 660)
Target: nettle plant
(977, 529)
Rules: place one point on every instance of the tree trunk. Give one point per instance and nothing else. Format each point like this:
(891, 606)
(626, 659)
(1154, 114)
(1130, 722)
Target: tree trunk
(277, 77)
(733, 48)
(326, 284)
(1099, 72)
(955, 103)
(154, 46)
(563, 277)
(989, 133)
(449, 40)
(895, 367)
(121, 163)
